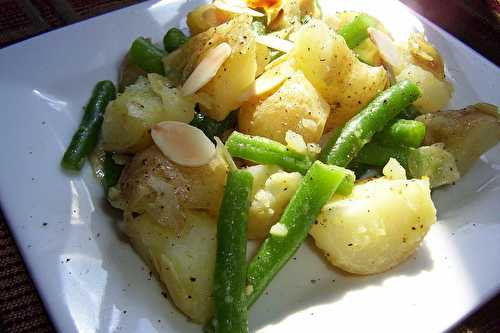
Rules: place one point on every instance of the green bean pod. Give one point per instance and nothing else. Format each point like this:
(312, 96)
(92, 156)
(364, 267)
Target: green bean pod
(173, 39)
(356, 31)
(319, 184)
(265, 151)
(258, 27)
(230, 263)
(402, 132)
(211, 127)
(112, 171)
(409, 113)
(147, 56)
(374, 154)
(373, 118)
(85, 138)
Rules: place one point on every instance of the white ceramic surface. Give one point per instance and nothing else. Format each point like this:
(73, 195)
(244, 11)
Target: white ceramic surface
(92, 281)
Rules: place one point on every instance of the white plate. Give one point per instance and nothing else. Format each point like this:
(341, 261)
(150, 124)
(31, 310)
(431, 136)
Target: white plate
(91, 280)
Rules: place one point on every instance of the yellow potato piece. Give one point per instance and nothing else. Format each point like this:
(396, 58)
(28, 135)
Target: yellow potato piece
(221, 94)
(205, 17)
(271, 191)
(295, 106)
(341, 79)
(150, 178)
(128, 118)
(184, 264)
(435, 93)
(377, 227)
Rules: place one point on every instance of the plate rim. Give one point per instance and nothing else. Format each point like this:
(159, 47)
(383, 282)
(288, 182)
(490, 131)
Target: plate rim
(47, 34)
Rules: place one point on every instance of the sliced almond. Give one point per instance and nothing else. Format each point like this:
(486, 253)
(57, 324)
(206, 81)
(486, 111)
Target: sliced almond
(206, 69)
(183, 144)
(265, 83)
(224, 153)
(387, 49)
(275, 43)
(234, 7)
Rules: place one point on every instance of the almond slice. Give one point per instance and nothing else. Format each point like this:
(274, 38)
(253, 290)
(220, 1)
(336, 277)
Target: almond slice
(387, 49)
(221, 149)
(206, 69)
(275, 43)
(183, 144)
(235, 8)
(266, 82)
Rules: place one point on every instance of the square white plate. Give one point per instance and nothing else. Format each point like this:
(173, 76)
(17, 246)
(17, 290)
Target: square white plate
(91, 280)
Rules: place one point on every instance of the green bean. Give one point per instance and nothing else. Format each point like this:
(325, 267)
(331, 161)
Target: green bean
(112, 171)
(173, 39)
(85, 138)
(275, 54)
(433, 162)
(211, 127)
(374, 154)
(359, 169)
(258, 27)
(402, 132)
(323, 155)
(355, 31)
(147, 56)
(230, 263)
(265, 151)
(409, 113)
(373, 118)
(316, 189)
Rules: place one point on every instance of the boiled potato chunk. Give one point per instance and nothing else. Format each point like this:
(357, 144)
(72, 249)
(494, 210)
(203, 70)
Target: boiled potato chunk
(178, 107)
(128, 118)
(221, 94)
(295, 106)
(151, 183)
(366, 51)
(425, 55)
(271, 191)
(263, 58)
(377, 227)
(205, 17)
(435, 93)
(435, 163)
(341, 79)
(184, 264)
(287, 14)
(466, 133)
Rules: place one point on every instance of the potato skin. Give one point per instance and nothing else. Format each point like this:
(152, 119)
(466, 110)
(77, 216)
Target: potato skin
(466, 133)
(341, 79)
(295, 106)
(184, 264)
(376, 227)
(150, 182)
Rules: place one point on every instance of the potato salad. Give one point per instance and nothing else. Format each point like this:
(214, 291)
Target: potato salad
(271, 122)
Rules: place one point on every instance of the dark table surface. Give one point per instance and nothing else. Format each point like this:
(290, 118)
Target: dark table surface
(475, 22)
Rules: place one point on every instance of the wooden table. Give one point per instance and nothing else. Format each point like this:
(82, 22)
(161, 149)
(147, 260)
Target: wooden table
(474, 22)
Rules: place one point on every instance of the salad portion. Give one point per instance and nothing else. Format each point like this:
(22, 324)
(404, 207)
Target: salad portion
(272, 122)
